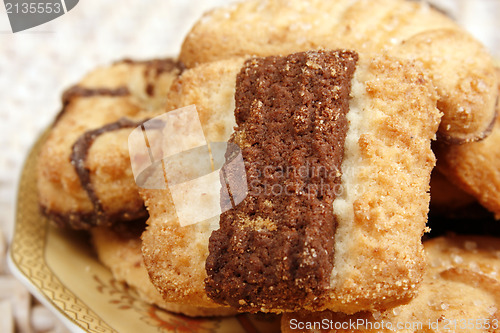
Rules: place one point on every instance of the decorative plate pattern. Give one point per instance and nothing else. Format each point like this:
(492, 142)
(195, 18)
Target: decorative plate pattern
(60, 268)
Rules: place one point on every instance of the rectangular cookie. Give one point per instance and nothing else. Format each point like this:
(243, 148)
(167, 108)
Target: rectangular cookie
(338, 160)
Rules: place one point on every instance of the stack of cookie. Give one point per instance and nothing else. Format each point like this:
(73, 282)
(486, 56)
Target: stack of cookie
(339, 111)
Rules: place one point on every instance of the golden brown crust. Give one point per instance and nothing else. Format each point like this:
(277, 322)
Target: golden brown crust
(459, 66)
(461, 287)
(134, 90)
(123, 256)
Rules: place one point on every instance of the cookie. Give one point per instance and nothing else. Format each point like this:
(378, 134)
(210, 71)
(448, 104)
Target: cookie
(459, 67)
(122, 255)
(474, 168)
(460, 293)
(380, 166)
(84, 174)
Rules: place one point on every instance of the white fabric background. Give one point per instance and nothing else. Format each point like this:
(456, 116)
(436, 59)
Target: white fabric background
(38, 64)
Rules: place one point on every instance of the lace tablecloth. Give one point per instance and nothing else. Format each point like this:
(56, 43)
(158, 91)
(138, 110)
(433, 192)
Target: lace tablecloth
(36, 66)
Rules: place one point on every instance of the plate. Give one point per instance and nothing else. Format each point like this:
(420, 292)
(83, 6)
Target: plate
(60, 269)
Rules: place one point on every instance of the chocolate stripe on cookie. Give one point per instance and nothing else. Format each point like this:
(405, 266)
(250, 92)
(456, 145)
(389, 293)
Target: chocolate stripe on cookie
(83, 221)
(79, 155)
(275, 249)
(78, 91)
(159, 66)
